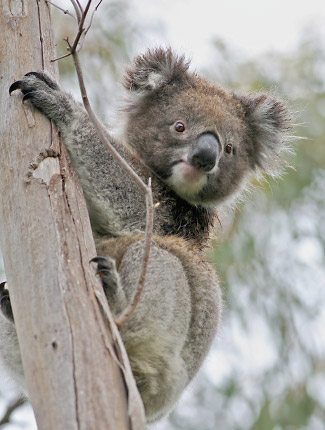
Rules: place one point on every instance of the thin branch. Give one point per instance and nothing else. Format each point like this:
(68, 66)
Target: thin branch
(83, 35)
(146, 189)
(85, 99)
(85, 31)
(65, 11)
(120, 320)
(99, 128)
(81, 29)
(80, 7)
(60, 58)
(91, 18)
(10, 409)
(77, 8)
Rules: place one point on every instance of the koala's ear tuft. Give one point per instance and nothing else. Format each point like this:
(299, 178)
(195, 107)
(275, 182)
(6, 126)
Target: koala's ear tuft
(269, 122)
(154, 69)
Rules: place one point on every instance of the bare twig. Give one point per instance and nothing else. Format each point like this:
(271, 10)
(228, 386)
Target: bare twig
(79, 5)
(85, 31)
(81, 22)
(10, 409)
(91, 18)
(99, 128)
(65, 11)
(60, 58)
(120, 320)
(146, 189)
(77, 8)
(80, 36)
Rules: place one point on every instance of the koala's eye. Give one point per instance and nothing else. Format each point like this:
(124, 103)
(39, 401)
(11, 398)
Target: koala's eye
(228, 148)
(179, 127)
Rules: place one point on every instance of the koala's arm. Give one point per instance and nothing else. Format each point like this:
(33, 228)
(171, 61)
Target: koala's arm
(90, 158)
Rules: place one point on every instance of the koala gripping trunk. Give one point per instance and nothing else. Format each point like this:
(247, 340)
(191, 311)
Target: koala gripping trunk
(70, 365)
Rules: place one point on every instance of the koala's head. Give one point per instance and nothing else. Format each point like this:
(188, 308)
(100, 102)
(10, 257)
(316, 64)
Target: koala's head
(201, 140)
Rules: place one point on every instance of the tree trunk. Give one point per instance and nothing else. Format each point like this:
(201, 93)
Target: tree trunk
(70, 348)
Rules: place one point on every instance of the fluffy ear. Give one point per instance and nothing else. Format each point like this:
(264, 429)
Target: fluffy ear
(154, 69)
(269, 122)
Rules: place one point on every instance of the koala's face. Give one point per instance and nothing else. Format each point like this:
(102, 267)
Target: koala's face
(200, 140)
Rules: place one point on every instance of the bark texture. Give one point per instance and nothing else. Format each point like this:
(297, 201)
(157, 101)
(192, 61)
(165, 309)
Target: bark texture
(76, 368)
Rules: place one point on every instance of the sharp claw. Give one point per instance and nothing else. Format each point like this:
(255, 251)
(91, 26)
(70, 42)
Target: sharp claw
(2, 285)
(15, 86)
(32, 74)
(27, 96)
(98, 259)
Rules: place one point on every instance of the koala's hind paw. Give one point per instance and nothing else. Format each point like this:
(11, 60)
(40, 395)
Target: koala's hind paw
(5, 304)
(106, 269)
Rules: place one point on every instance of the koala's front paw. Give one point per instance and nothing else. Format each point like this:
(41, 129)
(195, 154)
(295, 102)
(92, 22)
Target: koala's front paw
(5, 305)
(33, 82)
(45, 95)
(106, 269)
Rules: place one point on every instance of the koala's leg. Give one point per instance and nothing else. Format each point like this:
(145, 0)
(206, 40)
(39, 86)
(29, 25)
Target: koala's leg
(5, 305)
(9, 347)
(155, 334)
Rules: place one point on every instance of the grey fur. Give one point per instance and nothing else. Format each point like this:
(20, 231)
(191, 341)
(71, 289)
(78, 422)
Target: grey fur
(10, 354)
(177, 317)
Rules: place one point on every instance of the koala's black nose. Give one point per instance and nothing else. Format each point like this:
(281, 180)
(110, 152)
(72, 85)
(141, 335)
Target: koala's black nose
(205, 153)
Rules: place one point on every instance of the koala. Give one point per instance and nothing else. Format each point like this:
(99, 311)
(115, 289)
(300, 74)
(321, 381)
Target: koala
(200, 144)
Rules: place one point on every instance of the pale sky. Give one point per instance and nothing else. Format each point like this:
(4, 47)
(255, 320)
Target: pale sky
(250, 27)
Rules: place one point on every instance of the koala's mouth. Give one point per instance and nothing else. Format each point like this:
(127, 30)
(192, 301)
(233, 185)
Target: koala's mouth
(186, 179)
(189, 172)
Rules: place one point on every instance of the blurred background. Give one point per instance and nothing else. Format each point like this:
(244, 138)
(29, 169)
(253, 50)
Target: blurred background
(266, 370)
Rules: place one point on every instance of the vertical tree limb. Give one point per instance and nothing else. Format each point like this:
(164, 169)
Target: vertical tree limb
(72, 361)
